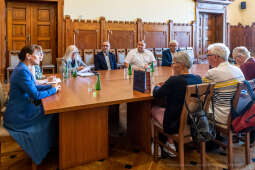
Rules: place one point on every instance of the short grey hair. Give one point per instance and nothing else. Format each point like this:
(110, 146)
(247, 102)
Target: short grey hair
(241, 51)
(184, 58)
(173, 42)
(219, 49)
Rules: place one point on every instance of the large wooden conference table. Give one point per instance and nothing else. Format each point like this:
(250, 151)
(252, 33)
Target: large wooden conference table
(83, 114)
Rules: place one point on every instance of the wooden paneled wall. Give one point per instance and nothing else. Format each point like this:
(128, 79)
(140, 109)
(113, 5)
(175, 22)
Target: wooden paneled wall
(243, 36)
(125, 34)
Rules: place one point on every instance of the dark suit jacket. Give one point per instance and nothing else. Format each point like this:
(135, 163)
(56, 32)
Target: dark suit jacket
(167, 57)
(100, 62)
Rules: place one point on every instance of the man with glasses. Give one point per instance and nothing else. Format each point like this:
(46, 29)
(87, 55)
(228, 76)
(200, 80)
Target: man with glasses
(226, 76)
(105, 60)
(168, 54)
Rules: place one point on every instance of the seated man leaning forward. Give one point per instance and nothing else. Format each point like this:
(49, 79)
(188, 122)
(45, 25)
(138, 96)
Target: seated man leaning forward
(226, 76)
(174, 90)
(168, 54)
(243, 58)
(140, 58)
(105, 60)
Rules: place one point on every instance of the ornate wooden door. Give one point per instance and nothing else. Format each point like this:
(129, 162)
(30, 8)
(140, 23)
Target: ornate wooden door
(210, 31)
(31, 23)
(18, 25)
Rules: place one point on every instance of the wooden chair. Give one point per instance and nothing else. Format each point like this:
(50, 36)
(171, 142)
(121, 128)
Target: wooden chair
(151, 49)
(4, 134)
(158, 55)
(113, 51)
(89, 57)
(128, 50)
(13, 62)
(121, 55)
(59, 62)
(47, 61)
(97, 51)
(183, 135)
(240, 100)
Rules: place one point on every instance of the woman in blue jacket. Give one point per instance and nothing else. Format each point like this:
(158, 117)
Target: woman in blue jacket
(24, 117)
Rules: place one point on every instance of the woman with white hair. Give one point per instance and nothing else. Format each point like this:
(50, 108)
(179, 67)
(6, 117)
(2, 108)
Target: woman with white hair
(247, 63)
(72, 59)
(174, 90)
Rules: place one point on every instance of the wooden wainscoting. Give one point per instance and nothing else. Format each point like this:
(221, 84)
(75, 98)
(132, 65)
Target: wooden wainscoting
(125, 34)
(243, 36)
(120, 34)
(156, 34)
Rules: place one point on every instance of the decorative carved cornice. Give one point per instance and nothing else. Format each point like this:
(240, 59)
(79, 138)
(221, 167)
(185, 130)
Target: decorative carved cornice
(223, 2)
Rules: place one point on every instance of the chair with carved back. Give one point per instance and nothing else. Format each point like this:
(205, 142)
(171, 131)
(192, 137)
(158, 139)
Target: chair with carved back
(190, 52)
(152, 50)
(158, 55)
(5, 137)
(89, 57)
(183, 136)
(113, 51)
(121, 55)
(47, 61)
(13, 62)
(59, 63)
(97, 51)
(240, 100)
(128, 50)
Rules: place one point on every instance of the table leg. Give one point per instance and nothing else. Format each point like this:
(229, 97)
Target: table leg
(139, 125)
(83, 136)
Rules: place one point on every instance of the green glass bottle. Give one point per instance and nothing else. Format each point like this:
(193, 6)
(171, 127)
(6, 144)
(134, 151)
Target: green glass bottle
(74, 73)
(98, 83)
(66, 72)
(129, 70)
(152, 67)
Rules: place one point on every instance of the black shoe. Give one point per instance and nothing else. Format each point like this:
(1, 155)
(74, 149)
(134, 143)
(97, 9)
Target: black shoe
(252, 137)
(211, 146)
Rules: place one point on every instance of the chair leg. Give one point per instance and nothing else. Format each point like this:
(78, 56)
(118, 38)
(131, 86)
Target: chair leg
(181, 153)
(155, 154)
(0, 153)
(34, 166)
(247, 149)
(230, 150)
(202, 155)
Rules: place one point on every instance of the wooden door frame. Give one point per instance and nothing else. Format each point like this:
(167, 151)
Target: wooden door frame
(212, 7)
(3, 33)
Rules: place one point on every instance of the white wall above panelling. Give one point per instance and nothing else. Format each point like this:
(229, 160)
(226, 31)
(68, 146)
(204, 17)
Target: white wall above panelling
(181, 11)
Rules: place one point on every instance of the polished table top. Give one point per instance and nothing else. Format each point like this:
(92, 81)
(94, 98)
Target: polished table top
(116, 87)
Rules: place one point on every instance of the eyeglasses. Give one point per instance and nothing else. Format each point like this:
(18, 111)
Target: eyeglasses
(208, 55)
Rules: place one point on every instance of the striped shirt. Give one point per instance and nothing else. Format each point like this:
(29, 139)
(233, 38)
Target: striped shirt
(226, 77)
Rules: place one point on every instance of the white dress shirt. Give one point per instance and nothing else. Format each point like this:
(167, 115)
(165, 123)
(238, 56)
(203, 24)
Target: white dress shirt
(139, 60)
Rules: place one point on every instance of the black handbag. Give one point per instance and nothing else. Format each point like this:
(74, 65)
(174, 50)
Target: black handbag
(202, 130)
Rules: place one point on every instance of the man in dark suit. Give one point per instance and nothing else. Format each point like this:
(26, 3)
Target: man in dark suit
(167, 55)
(105, 60)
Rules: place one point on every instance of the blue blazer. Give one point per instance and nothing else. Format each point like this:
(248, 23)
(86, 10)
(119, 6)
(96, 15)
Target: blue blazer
(24, 105)
(166, 58)
(100, 63)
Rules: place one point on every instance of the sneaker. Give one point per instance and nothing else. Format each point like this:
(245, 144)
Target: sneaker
(169, 153)
(152, 150)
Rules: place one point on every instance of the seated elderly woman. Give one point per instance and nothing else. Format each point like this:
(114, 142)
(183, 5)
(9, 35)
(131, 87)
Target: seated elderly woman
(174, 89)
(24, 116)
(243, 58)
(36, 69)
(72, 59)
